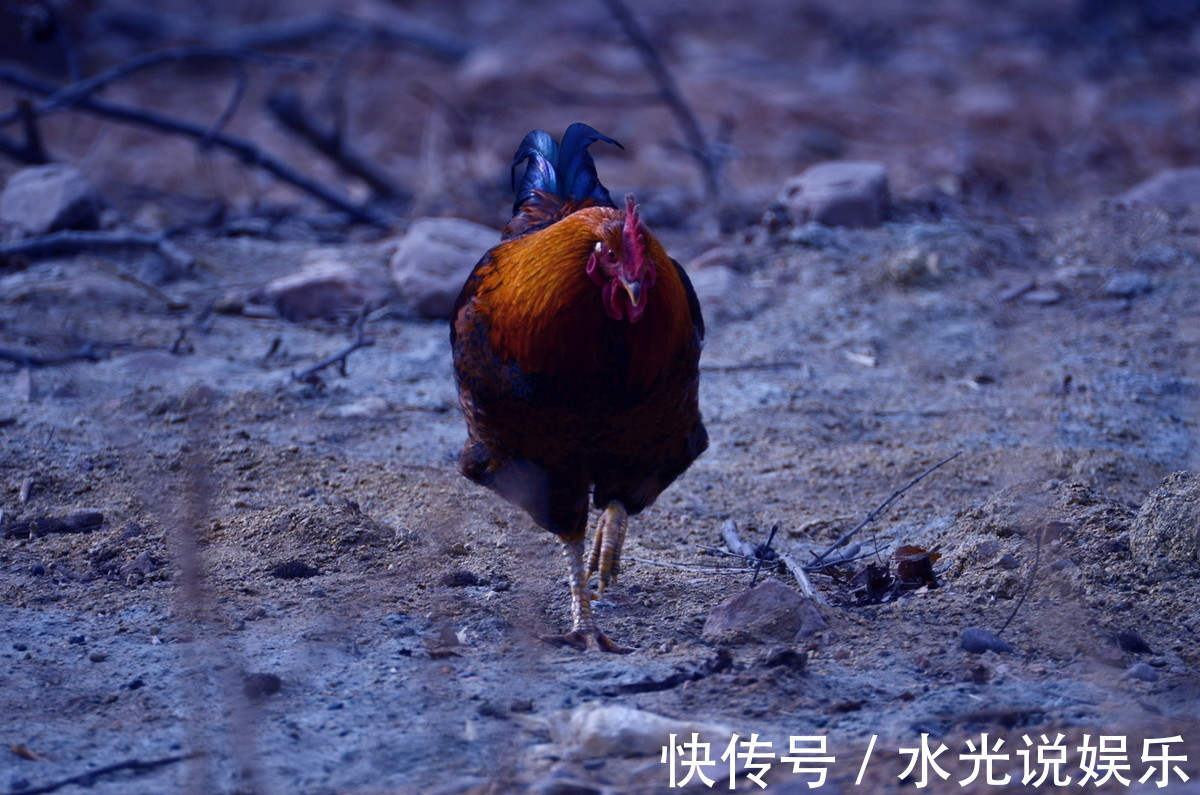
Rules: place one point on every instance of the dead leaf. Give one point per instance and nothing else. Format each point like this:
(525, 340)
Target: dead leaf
(25, 752)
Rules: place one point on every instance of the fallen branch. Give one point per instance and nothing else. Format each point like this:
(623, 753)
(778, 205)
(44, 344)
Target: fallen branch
(755, 555)
(710, 159)
(801, 577)
(288, 110)
(39, 526)
(758, 557)
(245, 150)
(89, 778)
(875, 514)
(71, 241)
(87, 353)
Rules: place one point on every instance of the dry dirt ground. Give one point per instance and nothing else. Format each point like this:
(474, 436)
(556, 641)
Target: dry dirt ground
(1057, 352)
(412, 658)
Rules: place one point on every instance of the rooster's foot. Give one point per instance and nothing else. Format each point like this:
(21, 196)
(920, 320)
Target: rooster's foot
(578, 639)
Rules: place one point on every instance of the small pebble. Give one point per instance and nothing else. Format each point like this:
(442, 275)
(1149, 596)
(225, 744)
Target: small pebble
(317, 592)
(1142, 672)
(1127, 285)
(1044, 296)
(97, 656)
(77, 640)
(976, 641)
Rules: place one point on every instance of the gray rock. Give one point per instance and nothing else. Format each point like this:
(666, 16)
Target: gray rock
(1127, 285)
(1166, 533)
(1171, 186)
(839, 193)
(1142, 672)
(327, 287)
(594, 730)
(42, 199)
(1043, 296)
(976, 641)
(433, 260)
(770, 611)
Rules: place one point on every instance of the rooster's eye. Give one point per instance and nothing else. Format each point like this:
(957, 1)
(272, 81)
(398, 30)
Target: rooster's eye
(612, 255)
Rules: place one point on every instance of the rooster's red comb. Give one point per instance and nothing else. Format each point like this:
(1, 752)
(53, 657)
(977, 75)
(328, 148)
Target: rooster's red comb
(635, 249)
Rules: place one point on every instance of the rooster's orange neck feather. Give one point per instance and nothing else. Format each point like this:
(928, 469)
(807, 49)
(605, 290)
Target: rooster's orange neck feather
(546, 314)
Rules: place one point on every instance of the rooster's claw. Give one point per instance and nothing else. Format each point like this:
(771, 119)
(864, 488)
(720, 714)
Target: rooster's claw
(578, 639)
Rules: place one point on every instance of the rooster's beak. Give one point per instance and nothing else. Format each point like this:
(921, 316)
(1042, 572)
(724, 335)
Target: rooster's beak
(634, 290)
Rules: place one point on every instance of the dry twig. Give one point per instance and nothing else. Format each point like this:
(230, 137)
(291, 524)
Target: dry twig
(84, 522)
(361, 340)
(801, 577)
(1037, 556)
(875, 514)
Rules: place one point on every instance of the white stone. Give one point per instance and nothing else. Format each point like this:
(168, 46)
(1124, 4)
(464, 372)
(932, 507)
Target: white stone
(839, 193)
(42, 199)
(595, 730)
(327, 287)
(1171, 186)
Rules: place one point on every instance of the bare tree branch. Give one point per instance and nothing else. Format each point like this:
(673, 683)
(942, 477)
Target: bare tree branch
(710, 158)
(245, 150)
(293, 31)
(68, 96)
(285, 105)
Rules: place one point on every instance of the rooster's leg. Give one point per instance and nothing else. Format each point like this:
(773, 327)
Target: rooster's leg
(606, 552)
(583, 626)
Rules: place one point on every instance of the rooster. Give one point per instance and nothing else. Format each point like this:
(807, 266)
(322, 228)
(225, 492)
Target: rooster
(576, 347)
